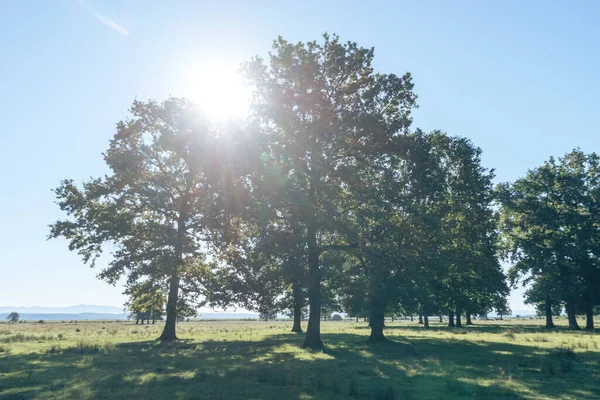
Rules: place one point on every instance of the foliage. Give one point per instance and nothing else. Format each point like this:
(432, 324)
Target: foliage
(162, 194)
(13, 317)
(322, 115)
(550, 222)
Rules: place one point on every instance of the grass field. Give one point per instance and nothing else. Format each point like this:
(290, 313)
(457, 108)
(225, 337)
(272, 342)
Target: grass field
(261, 360)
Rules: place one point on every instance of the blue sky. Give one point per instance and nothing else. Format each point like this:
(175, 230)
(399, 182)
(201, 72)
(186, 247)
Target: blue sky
(518, 78)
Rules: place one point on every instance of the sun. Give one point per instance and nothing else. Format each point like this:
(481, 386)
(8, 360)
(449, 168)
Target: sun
(218, 90)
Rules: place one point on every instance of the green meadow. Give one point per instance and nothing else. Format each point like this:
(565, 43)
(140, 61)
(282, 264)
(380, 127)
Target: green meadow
(261, 360)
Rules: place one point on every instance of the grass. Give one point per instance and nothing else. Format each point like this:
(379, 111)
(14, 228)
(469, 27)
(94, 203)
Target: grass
(262, 360)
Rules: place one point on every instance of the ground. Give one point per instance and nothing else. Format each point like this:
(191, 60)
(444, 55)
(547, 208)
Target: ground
(262, 360)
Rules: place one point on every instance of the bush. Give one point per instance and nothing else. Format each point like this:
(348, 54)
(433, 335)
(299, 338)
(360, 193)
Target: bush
(336, 317)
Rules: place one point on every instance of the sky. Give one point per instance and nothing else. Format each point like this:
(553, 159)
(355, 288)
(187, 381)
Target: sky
(520, 79)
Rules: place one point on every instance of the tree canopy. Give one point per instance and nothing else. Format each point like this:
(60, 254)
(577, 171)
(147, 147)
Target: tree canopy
(327, 197)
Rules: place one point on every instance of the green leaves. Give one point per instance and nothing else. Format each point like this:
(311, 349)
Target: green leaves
(551, 226)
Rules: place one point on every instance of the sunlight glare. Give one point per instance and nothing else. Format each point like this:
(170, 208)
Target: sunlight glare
(218, 90)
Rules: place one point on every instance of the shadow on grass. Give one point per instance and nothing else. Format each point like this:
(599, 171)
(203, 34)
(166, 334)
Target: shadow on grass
(481, 328)
(277, 368)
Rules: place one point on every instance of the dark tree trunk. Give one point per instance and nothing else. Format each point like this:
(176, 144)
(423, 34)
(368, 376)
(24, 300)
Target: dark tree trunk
(313, 330)
(411, 318)
(501, 318)
(420, 319)
(377, 323)
(137, 321)
(571, 316)
(441, 319)
(297, 328)
(169, 331)
(548, 309)
(458, 321)
(356, 319)
(392, 318)
(589, 315)
(451, 319)
(469, 322)
(425, 320)
(589, 312)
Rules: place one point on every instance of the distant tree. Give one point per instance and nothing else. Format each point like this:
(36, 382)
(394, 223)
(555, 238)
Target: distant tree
(501, 307)
(13, 317)
(146, 301)
(336, 317)
(267, 315)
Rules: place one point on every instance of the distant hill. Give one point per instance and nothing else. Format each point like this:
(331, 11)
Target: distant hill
(78, 309)
(67, 316)
(83, 312)
(227, 315)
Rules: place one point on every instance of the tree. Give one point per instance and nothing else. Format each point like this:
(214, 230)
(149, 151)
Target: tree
(13, 317)
(468, 242)
(320, 112)
(266, 316)
(146, 301)
(167, 167)
(549, 220)
(501, 307)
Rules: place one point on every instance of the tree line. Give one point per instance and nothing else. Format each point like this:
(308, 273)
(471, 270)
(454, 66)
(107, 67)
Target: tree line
(324, 197)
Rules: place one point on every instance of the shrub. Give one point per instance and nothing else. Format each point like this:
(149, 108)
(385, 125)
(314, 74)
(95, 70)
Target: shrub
(336, 317)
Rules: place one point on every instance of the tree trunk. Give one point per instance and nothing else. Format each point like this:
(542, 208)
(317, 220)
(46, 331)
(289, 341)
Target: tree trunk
(376, 323)
(313, 330)
(589, 312)
(411, 318)
(548, 309)
(169, 331)
(420, 319)
(458, 321)
(571, 316)
(469, 322)
(356, 319)
(425, 320)
(501, 319)
(297, 328)
(441, 319)
(451, 319)
(392, 318)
